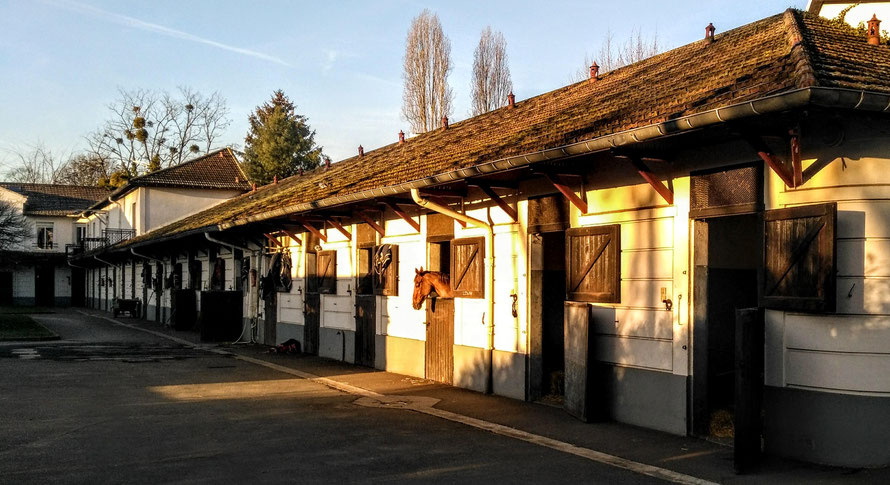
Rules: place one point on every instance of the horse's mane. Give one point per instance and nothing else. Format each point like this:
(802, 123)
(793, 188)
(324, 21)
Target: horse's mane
(443, 276)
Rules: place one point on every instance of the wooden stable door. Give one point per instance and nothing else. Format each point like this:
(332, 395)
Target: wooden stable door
(440, 340)
(365, 329)
(312, 320)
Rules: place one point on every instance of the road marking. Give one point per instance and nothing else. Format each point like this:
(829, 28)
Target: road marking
(424, 407)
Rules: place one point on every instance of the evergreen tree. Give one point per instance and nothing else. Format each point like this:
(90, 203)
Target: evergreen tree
(279, 142)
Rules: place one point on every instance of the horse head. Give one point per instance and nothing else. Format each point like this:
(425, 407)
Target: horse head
(422, 288)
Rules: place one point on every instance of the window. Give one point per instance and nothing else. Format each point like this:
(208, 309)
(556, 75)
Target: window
(385, 267)
(326, 272)
(467, 268)
(45, 235)
(800, 258)
(80, 232)
(593, 271)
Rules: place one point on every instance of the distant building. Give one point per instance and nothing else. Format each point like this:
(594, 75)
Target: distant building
(36, 272)
(861, 13)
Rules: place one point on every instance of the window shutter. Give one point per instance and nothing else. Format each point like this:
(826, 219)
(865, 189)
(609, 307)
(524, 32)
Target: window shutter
(467, 267)
(800, 259)
(593, 263)
(327, 272)
(548, 213)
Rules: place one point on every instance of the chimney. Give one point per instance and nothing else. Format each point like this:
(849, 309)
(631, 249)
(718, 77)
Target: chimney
(445, 122)
(237, 179)
(709, 32)
(401, 137)
(594, 72)
(874, 30)
(511, 100)
(327, 160)
(275, 179)
(361, 151)
(301, 171)
(253, 187)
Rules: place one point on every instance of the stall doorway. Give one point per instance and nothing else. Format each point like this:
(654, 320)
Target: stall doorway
(728, 255)
(547, 326)
(45, 285)
(439, 350)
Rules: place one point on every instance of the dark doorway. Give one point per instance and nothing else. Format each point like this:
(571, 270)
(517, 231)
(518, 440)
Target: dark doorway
(311, 306)
(365, 308)
(5, 287)
(548, 295)
(78, 287)
(45, 285)
(727, 252)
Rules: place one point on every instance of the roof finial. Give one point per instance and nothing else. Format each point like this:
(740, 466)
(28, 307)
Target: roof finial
(401, 137)
(511, 100)
(445, 122)
(874, 30)
(594, 72)
(361, 151)
(709, 32)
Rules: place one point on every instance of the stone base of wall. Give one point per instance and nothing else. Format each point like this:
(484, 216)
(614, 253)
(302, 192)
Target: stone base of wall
(400, 355)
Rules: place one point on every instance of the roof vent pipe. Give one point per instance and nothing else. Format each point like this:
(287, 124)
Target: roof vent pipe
(275, 179)
(511, 100)
(874, 30)
(594, 72)
(401, 137)
(253, 187)
(327, 160)
(361, 151)
(709, 32)
(444, 122)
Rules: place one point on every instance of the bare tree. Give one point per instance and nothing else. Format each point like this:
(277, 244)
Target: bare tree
(149, 130)
(37, 165)
(612, 56)
(491, 74)
(14, 228)
(426, 96)
(84, 169)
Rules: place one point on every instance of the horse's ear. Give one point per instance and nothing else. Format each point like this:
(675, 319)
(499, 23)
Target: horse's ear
(418, 271)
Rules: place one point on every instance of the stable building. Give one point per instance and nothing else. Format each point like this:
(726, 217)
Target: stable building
(698, 235)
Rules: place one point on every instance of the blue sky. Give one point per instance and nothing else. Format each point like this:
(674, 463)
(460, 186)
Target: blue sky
(62, 61)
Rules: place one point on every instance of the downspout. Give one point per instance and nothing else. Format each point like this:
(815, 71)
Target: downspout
(97, 258)
(146, 257)
(227, 244)
(441, 209)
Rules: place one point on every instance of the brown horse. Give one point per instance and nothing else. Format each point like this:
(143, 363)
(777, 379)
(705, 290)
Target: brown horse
(427, 281)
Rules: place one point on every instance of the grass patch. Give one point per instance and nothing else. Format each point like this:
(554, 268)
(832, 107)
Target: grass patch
(23, 327)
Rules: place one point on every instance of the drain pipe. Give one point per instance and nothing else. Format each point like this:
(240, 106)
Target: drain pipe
(146, 257)
(441, 209)
(227, 244)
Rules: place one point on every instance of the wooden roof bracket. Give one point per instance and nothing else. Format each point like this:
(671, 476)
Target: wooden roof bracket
(340, 228)
(371, 222)
(403, 215)
(293, 236)
(771, 160)
(796, 164)
(560, 184)
(666, 193)
(489, 191)
(314, 230)
(274, 241)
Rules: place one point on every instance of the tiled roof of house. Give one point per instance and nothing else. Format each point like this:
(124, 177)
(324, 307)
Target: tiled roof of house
(782, 53)
(216, 170)
(56, 200)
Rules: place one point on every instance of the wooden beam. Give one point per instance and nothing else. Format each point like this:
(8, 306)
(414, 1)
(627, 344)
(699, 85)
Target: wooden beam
(796, 164)
(645, 172)
(442, 202)
(567, 191)
(314, 230)
(293, 236)
(340, 228)
(510, 211)
(273, 240)
(371, 222)
(774, 163)
(403, 215)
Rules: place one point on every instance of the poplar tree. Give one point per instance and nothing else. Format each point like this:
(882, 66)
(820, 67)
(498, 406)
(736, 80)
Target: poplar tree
(279, 142)
(491, 74)
(426, 96)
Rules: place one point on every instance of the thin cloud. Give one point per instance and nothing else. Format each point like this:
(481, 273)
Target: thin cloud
(159, 29)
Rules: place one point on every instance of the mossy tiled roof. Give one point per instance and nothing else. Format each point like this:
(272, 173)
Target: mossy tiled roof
(780, 53)
(56, 199)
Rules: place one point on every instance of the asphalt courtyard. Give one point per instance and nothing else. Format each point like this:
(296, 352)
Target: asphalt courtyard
(112, 404)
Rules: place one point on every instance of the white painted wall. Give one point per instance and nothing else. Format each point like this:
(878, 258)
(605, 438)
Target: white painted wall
(846, 352)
